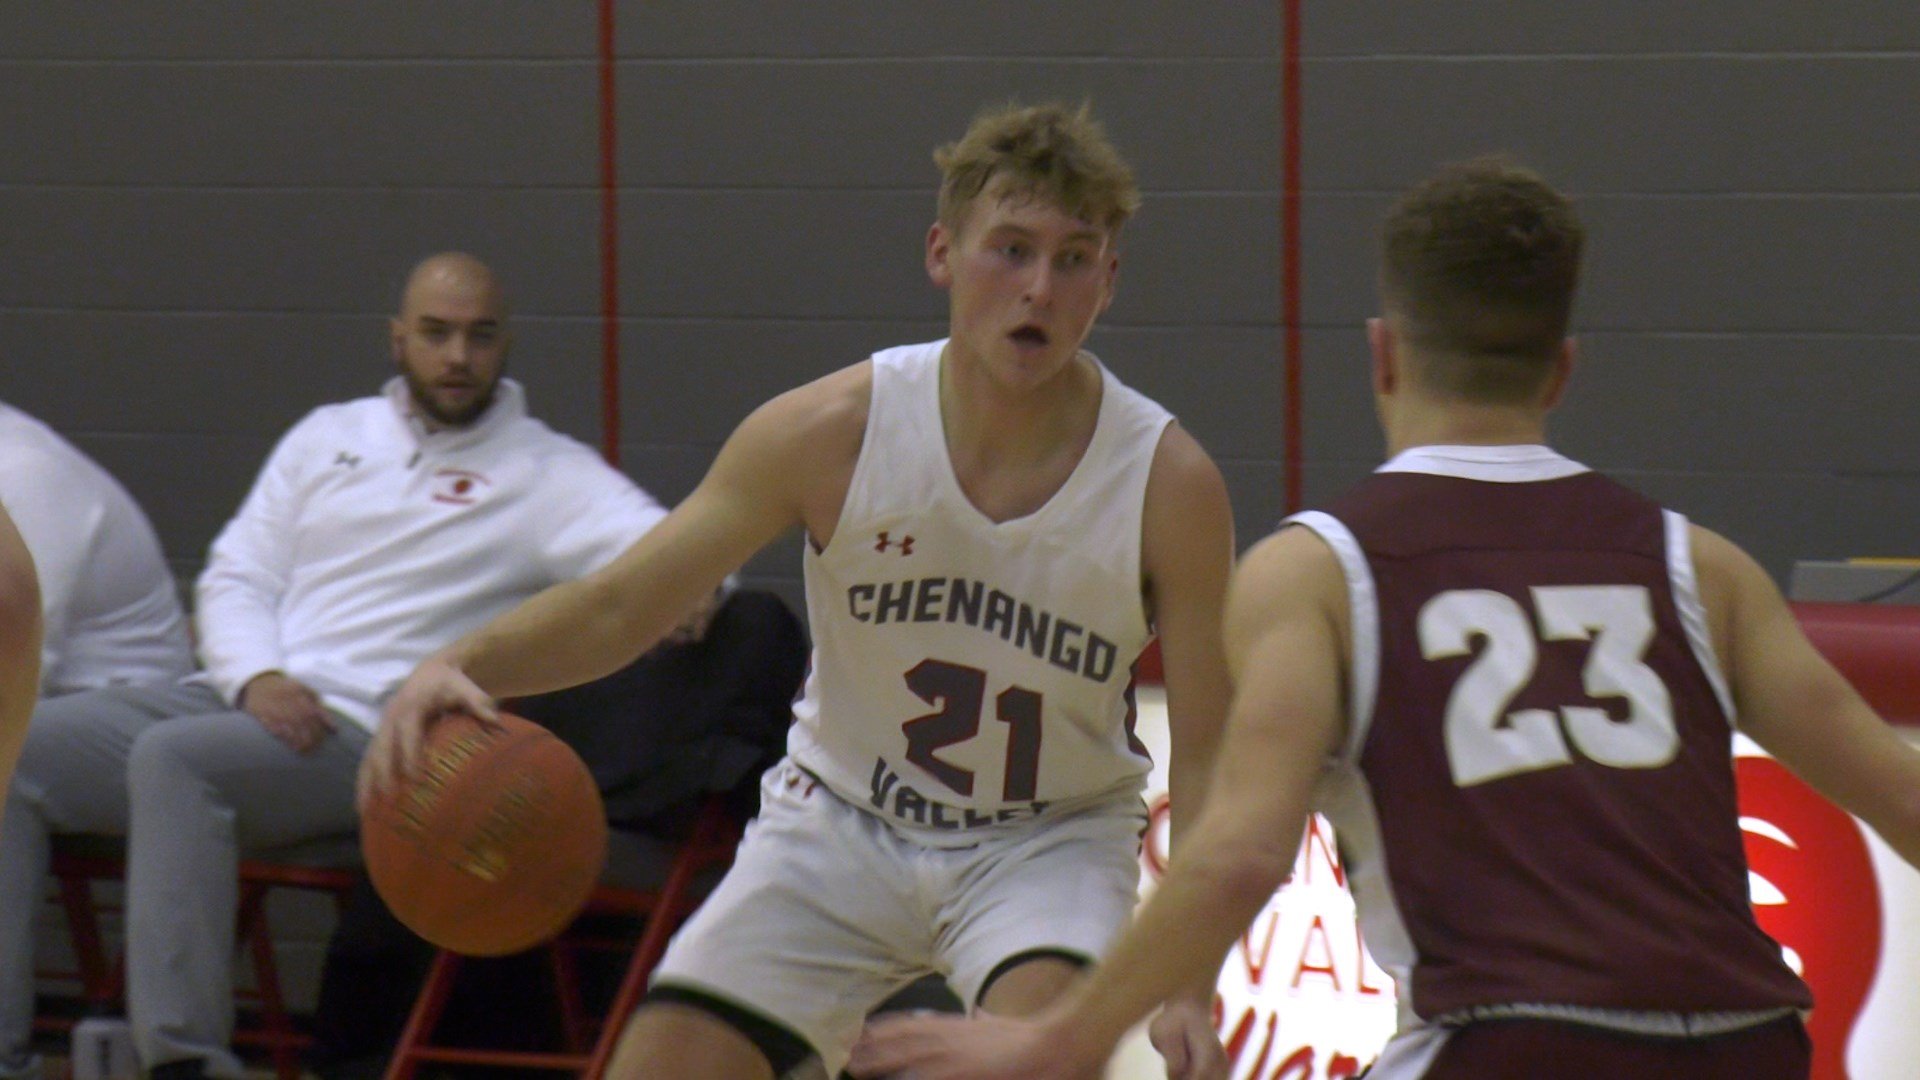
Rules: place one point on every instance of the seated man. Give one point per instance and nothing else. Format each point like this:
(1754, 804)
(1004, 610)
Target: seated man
(19, 644)
(379, 530)
(112, 610)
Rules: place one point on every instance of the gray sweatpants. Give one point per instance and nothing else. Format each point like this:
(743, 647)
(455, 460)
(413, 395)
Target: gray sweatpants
(191, 783)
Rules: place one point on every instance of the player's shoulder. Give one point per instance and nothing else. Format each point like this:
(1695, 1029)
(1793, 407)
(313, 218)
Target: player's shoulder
(1290, 551)
(16, 563)
(1181, 458)
(828, 411)
(1183, 479)
(19, 594)
(1293, 563)
(1729, 578)
(1712, 549)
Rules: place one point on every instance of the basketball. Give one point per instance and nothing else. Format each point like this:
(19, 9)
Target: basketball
(495, 843)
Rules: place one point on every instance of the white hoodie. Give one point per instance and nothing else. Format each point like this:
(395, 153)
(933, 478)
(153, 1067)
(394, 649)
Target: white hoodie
(367, 543)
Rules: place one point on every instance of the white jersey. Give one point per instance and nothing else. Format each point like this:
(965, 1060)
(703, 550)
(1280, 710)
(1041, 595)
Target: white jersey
(967, 674)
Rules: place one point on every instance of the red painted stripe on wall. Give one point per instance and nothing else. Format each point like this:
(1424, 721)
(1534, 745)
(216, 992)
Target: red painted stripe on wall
(1293, 361)
(609, 245)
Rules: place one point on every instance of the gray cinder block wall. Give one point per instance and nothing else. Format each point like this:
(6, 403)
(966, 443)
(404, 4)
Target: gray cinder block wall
(205, 209)
(1752, 299)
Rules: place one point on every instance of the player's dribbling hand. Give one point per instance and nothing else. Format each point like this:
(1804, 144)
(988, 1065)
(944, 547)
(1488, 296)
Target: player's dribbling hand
(982, 1047)
(435, 689)
(1184, 1035)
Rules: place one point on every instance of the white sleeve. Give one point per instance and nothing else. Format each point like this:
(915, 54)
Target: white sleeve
(58, 543)
(45, 497)
(601, 515)
(126, 624)
(237, 599)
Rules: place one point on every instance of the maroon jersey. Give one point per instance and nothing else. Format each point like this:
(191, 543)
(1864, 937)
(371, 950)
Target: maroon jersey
(1537, 793)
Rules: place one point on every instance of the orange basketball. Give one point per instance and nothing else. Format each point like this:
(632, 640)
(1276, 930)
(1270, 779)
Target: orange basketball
(494, 845)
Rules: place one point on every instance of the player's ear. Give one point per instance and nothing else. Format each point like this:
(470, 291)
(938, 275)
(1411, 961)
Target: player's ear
(939, 246)
(1382, 344)
(1563, 362)
(397, 336)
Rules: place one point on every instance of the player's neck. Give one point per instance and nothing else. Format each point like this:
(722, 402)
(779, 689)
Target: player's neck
(1463, 425)
(991, 425)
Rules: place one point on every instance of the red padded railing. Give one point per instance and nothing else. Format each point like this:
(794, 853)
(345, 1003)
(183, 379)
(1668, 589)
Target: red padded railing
(1876, 646)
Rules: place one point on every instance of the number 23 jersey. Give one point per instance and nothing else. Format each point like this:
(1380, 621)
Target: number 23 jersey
(1536, 797)
(969, 675)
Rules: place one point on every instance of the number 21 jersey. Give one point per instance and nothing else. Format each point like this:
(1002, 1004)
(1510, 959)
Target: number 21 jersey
(967, 674)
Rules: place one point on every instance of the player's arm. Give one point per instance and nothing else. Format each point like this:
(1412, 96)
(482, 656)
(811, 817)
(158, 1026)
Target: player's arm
(1792, 702)
(1187, 554)
(1284, 637)
(20, 630)
(769, 469)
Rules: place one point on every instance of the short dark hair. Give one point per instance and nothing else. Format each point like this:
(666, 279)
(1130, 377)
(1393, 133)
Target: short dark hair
(1479, 265)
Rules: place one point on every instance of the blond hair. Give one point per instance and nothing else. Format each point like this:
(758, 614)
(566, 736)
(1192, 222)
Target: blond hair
(1050, 152)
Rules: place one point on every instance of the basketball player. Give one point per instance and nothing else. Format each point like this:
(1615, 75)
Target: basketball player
(1517, 682)
(20, 627)
(995, 527)
(22, 623)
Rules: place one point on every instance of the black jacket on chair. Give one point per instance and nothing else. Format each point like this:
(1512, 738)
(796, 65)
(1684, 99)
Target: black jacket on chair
(686, 719)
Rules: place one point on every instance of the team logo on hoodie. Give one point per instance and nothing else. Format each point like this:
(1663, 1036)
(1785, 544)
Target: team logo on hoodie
(459, 487)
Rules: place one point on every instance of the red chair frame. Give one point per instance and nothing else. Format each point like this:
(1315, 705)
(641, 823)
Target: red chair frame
(709, 845)
(78, 862)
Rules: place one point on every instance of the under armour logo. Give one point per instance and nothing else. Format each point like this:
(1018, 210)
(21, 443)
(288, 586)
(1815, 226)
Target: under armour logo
(344, 458)
(905, 544)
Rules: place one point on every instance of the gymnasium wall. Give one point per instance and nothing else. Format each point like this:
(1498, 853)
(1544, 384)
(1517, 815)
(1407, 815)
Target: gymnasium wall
(206, 210)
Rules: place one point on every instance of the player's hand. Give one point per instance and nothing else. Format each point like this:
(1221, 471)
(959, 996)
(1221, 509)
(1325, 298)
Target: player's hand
(288, 709)
(983, 1047)
(435, 689)
(1184, 1035)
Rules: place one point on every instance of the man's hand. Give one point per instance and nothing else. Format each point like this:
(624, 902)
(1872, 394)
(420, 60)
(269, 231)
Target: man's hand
(288, 709)
(983, 1047)
(1184, 1035)
(435, 689)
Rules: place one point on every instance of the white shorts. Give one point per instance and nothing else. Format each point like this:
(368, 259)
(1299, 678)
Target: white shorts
(827, 910)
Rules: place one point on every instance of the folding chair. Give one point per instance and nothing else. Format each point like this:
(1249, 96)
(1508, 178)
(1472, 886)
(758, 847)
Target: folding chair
(330, 867)
(327, 865)
(680, 875)
(78, 861)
